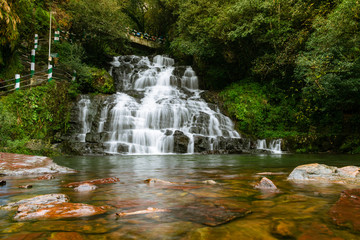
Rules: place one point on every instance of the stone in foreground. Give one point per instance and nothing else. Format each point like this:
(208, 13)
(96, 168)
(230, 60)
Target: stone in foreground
(94, 182)
(56, 211)
(266, 184)
(19, 164)
(38, 201)
(209, 215)
(346, 211)
(322, 172)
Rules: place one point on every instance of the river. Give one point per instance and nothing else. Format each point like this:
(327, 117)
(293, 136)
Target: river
(298, 210)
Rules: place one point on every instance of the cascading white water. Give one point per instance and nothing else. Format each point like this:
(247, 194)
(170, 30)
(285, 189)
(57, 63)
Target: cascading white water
(83, 104)
(274, 146)
(154, 108)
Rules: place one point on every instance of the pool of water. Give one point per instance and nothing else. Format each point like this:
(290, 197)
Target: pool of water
(297, 211)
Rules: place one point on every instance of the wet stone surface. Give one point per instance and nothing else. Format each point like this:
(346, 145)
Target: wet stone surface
(346, 211)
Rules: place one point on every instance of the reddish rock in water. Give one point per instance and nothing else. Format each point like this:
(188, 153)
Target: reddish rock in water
(94, 182)
(56, 211)
(318, 231)
(208, 214)
(19, 164)
(346, 211)
(38, 201)
(26, 186)
(46, 177)
(266, 184)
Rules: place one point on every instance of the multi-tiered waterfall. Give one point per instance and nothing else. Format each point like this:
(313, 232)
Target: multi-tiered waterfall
(157, 109)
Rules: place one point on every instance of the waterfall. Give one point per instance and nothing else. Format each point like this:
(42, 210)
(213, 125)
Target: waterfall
(157, 109)
(274, 146)
(83, 105)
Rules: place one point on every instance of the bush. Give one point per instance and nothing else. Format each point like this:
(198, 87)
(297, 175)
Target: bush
(37, 113)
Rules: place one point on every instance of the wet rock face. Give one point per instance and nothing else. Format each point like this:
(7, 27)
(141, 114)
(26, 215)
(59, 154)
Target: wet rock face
(19, 164)
(322, 172)
(181, 142)
(346, 211)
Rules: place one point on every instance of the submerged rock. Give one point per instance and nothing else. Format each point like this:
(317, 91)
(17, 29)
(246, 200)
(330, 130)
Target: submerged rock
(56, 211)
(209, 215)
(346, 211)
(146, 211)
(19, 164)
(2, 182)
(94, 182)
(46, 177)
(157, 181)
(322, 172)
(26, 186)
(266, 184)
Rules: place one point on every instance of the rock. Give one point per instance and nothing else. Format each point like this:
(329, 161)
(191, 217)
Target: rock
(38, 200)
(157, 181)
(318, 231)
(46, 177)
(210, 215)
(322, 172)
(266, 184)
(19, 164)
(181, 142)
(94, 182)
(66, 236)
(201, 144)
(148, 210)
(346, 211)
(349, 172)
(86, 187)
(211, 182)
(284, 229)
(56, 211)
(26, 186)
(2, 182)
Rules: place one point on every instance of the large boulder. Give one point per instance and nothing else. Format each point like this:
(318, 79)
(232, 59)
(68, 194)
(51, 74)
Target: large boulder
(322, 172)
(181, 142)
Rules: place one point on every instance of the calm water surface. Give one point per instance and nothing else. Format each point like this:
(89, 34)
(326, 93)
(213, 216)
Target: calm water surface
(298, 211)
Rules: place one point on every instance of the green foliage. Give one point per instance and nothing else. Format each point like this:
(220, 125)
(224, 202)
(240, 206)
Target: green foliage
(330, 66)
(37, 113)
(249, 103)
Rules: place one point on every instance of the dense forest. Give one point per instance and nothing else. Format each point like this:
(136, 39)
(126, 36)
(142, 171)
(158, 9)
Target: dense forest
(280, 68)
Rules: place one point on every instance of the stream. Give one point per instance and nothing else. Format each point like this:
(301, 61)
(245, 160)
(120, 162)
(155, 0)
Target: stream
(297, 211)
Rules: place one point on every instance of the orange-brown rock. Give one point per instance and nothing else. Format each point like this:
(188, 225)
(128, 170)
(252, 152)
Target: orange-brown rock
(346, 211)
(266, 184)
(46, 177)
(94, 182)
(19, 164)
(56, 211)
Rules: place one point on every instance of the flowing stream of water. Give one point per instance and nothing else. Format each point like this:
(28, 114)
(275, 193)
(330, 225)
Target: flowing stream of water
(298, 210)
